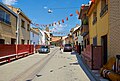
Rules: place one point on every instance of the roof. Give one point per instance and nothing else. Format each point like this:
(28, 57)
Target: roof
(76, 28)
(21, 12)
(6, 8)
(34, 30)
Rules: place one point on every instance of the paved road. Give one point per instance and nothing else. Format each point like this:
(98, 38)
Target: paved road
(43, 67)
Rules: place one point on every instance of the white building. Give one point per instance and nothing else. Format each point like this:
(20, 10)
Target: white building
(34, 36)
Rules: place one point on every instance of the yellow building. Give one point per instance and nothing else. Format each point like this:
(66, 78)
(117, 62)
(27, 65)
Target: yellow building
(24, 26)
(104, 26)
(8, 25)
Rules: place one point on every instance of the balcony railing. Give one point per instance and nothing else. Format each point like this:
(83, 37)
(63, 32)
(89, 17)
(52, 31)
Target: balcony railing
(94, 20)
(104, 10)
(84, 30)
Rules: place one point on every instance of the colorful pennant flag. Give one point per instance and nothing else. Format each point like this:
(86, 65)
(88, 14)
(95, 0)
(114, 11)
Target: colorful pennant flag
(83, 6)
(71, 14)
(37, 24)
(62, 21)
(66, 18)
(92, 1)
(77, 12)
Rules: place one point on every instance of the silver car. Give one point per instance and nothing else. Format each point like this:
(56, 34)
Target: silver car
(44, 49)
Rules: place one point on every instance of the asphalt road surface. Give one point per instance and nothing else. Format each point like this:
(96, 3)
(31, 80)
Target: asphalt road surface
(54, 66)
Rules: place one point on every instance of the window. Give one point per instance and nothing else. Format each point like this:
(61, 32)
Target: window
(28, 27)
(94, 16)
(104, 7)
(33, 34)
(13, 41)
(2, 14)
(103, 3)
(27, 41)
(22, 41)
(23, 23)
(2, 41)
(95, 41)
(5, 17)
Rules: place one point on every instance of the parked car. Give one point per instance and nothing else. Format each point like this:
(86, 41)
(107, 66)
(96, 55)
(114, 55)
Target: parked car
(67, 47)
(44, 49)
(52, 46)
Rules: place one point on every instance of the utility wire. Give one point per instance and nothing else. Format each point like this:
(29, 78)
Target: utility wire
(65, 8)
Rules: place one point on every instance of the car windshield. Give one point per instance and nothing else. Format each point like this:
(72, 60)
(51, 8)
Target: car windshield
(67, 44)
(44, 46)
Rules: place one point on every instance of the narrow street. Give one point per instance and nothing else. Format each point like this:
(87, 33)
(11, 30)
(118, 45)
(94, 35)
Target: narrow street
(54, 66)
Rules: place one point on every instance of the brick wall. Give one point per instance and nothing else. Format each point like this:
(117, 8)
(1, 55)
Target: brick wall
(114, 27)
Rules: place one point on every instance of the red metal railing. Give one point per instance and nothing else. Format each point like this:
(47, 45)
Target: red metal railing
(12, 51)
(6, 50)
(23, 48)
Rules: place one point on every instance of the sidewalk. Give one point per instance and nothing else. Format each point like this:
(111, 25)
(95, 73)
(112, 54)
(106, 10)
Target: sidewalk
(94, 75)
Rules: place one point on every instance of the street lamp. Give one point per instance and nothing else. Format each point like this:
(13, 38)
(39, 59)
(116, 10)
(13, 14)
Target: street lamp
(50, 11)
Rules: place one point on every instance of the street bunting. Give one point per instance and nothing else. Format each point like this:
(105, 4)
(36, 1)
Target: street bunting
(54, 23)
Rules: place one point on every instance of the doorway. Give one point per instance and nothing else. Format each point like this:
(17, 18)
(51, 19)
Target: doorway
(104, 48)
(13, 41)
(2, 41)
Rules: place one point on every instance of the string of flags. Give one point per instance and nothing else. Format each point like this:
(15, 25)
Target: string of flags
(63, 20)
(59, 33)
(53, 24)
(56, 23)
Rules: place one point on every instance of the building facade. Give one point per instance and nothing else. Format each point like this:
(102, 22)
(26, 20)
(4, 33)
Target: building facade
(84, 29)
(77, 38)
(8, 24)
(34, 36)
(23, 26)
(104, 26)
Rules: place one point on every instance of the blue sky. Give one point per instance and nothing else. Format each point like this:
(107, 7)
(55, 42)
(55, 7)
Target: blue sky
(37, 11)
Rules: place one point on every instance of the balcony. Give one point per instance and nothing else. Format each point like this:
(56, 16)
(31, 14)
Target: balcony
(84, 30)
(104, 10)
(94, 20)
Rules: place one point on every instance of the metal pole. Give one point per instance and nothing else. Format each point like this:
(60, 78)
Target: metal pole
(17, 32)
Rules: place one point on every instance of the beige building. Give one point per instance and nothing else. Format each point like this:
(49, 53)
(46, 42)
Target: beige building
(24, 26)
(8, 25)
(77, 38)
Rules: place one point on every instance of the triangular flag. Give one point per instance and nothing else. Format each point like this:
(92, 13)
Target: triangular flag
(37, 24)
(92, 1)
(66, 18)
(71, 14)
(62, 21)
(83, 6)
(77, 12)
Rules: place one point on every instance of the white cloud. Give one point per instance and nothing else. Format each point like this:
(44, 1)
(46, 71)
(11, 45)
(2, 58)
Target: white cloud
(45, 7)
(9, 2)
(60, 27)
